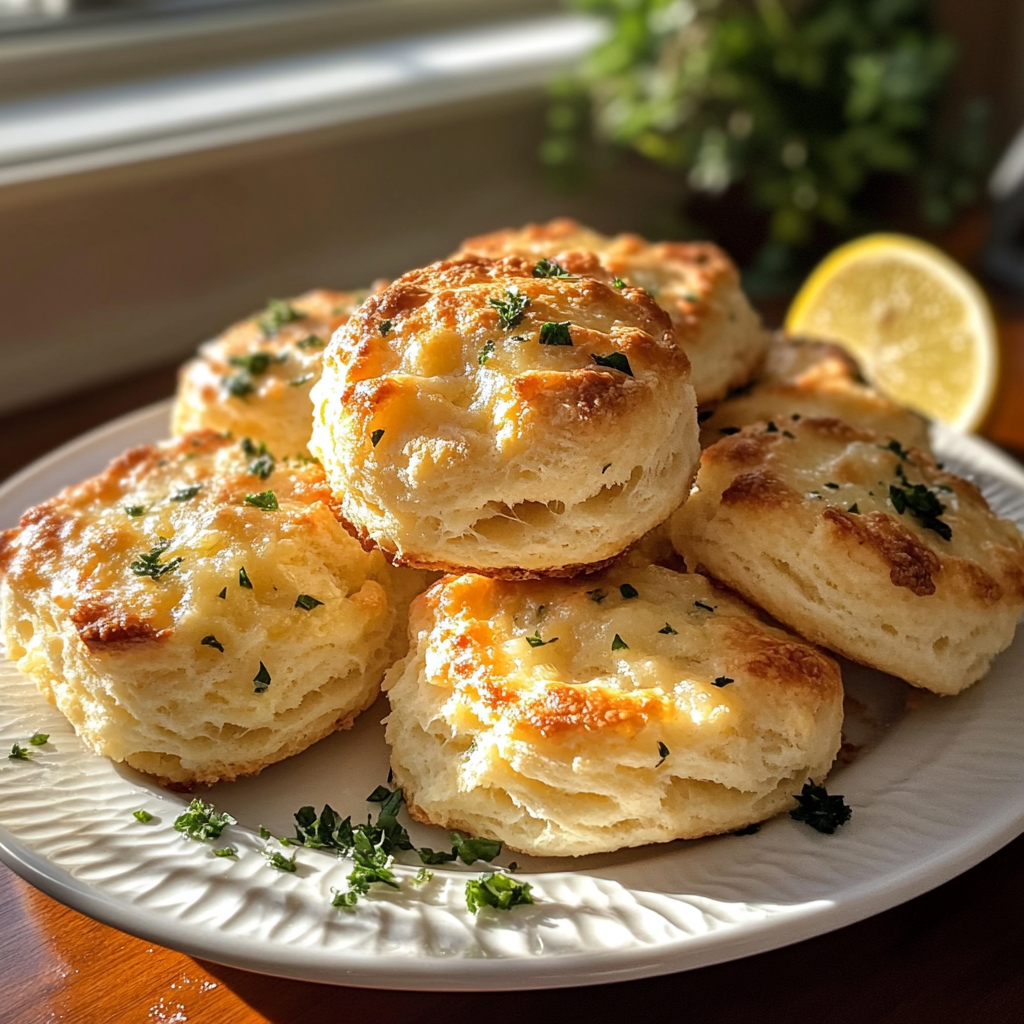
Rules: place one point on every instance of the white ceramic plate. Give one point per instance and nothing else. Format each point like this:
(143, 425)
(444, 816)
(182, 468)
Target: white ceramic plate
(934, 791)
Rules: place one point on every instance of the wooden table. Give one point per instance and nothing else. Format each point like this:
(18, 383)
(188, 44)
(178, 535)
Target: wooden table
(953, 955)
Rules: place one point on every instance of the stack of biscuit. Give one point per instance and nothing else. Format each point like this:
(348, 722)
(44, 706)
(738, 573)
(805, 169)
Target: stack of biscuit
(654, 521)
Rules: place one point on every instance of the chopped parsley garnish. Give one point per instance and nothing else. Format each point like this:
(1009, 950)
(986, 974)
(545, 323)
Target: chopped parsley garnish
(627, 590)
(486, 352)
(256, 363)
(924, 506)
(142, 815)
(262, 466)
(597, 596)
(238, 385)
(511, 307)
(379, 795)
(372, 866)
(668, 630)
(243, 579)
(722, 681)
(225, 851)
(617, 282)
(384, 327)
(223, 595)
(549, 268)
(135, 510)
(212, 641)
(19, 753)
(618, 644)
(854, 509)
(310, 341)
(896, 448)
(376, 436)
(307, 602)
(832, 486)
(39, 738)
(821, 811)
(266, 500)
(200, 821)
(150, 565)
(535, 640)
(264, 832)
(701, 604)
(279, 312)
(422, 877)
(429, 856)
(555, 333)
(729, 430)
(771, 428)
(498, 891)
(475, 848)
(278, 861)
(184, 493)
(663, 752)
(261, 681)
(299, 381)
(617, 361)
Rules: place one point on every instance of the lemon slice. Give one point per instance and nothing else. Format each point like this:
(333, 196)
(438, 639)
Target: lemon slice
(917, 322)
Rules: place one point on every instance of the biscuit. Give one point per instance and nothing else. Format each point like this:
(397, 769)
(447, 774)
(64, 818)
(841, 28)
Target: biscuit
(859, 545)
(567, 717)
(813, 378)
(254, 379)
(193, 632)
(473, 416)
(695, 282)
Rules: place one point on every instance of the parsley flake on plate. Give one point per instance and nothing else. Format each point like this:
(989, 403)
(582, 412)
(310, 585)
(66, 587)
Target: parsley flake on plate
(150, 565)
(225, 851)
(261, 681)
(243, 579)
(819, 810)
(38, 739)
(201, 822)
(616, 361)
(142, 815)
(498, 891)
(422, 877)
(20, 753)
(510, 307)
(549, 268)
(556, 333)
(307, 602)
(618, 644)
(265, 500)
(278, 861)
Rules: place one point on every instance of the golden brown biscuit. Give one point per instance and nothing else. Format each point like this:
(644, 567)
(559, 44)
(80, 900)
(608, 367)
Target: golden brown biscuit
(254, 379)
(568, 717)
(196, 610)
(813, 378)
(474, 416)
(859, 545)
(695, 282)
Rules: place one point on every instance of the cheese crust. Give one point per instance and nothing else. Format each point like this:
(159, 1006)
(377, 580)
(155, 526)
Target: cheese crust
(541, 442)
(694, 282)
(254, 379)
(152, 602)
(859, 545)
(572, 717)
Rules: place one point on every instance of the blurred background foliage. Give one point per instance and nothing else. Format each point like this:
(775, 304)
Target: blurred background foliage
(789, 125)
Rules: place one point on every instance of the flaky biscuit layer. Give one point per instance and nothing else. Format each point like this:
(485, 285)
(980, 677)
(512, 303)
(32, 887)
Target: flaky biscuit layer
(191, 631)
(476, 416)
(859, 545)
(575, 717)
